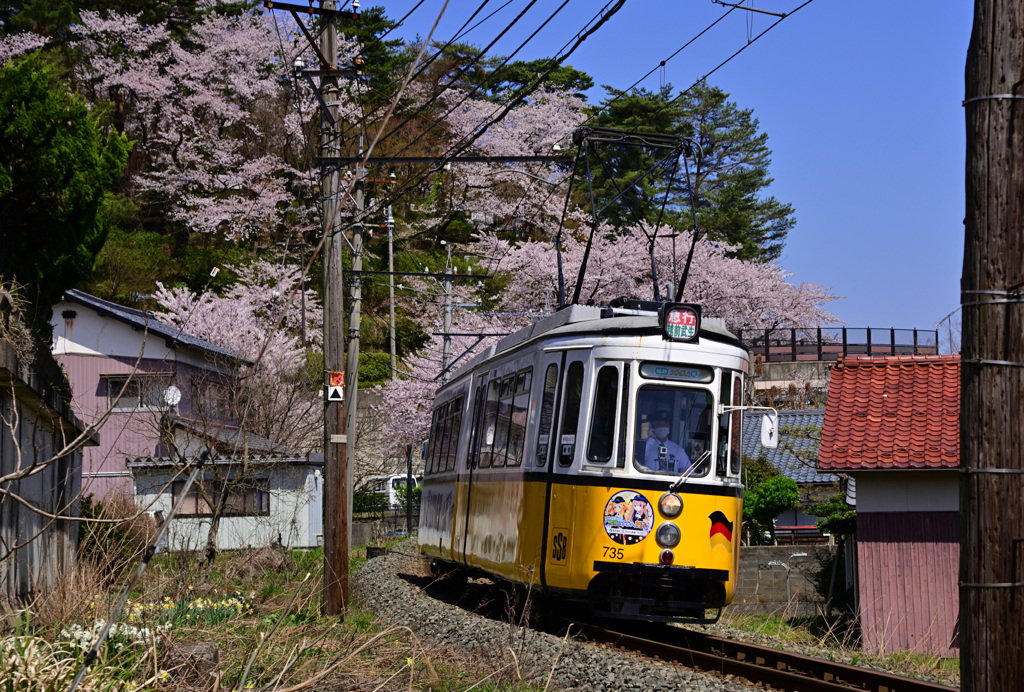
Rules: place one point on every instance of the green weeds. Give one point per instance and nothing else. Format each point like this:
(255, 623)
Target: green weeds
(839, 639)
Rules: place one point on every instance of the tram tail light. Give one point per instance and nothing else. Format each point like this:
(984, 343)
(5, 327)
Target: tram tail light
(667, 557)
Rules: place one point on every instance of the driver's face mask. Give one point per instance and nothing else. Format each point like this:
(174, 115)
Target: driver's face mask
(661, 433)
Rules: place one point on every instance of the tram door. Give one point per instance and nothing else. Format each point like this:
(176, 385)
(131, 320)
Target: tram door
(565, 443)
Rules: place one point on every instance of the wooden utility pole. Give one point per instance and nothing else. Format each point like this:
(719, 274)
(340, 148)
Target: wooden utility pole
(992, 355)
(336, 510)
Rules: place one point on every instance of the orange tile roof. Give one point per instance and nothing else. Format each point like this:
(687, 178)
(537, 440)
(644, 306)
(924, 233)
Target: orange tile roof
(892, 412)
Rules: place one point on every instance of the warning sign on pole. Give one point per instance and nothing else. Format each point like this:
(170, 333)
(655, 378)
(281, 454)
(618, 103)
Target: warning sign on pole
(336, 388)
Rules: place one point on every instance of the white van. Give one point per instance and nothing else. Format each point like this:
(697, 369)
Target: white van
(387, 487)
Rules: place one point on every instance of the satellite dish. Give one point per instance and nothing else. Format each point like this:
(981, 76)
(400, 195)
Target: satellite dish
(172, 395)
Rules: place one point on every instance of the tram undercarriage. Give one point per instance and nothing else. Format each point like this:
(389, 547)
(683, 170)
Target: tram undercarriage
(657, 593)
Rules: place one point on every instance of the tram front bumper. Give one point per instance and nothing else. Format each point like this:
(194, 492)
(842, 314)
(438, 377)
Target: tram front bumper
(655, 592)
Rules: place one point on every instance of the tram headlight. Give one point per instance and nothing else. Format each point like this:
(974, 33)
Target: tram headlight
(670, 505)
(667, 535)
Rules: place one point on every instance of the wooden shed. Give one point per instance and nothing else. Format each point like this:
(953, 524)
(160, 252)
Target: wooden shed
(893, 424)
(41, 464)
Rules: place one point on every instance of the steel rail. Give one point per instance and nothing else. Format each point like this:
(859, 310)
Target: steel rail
(777, 669)
(773, 667)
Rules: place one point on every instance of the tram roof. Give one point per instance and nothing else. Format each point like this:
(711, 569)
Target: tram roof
(579, 320)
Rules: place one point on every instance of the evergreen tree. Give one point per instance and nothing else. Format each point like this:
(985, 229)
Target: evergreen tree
(733, 175)
(506, 78)
(56, 166)
(636, 111)
(729, 172)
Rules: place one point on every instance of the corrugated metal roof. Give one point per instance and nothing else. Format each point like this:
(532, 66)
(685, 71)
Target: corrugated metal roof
(800, 468)
(163, 462)
(145, 320)
(231, 437)
(892, 412)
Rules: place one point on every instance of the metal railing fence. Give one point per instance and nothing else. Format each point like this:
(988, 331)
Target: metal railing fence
(789, 345)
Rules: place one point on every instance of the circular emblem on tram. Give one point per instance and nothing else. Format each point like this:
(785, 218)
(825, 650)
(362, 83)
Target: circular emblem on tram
(628, 517)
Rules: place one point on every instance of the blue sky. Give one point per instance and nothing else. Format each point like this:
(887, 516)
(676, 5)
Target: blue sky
(861, 103)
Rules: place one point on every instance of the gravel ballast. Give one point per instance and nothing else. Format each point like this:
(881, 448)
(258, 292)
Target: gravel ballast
(390, 587)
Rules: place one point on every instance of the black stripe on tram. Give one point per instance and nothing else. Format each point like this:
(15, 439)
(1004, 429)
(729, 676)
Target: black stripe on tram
(541, 476)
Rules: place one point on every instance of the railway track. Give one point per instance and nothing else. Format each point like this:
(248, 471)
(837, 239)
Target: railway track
(775, 668)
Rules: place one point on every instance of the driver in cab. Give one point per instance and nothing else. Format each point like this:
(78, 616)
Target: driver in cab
(661, 453)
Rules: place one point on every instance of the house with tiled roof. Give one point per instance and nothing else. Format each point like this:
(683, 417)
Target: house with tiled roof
(123, 364)
(892, 423)
(162, 397)
(796, 457)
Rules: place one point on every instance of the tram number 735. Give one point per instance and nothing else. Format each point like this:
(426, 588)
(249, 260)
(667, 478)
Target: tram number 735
(613, 553)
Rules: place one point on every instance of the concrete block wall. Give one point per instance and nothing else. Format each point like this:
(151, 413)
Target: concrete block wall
(762, 585)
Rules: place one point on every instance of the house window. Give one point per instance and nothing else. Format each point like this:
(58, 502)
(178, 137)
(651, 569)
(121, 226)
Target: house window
(246, 498)
(138, 391)
(212, 400)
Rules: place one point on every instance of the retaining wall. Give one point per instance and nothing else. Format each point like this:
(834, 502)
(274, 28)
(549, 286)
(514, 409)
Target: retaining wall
(763, 578)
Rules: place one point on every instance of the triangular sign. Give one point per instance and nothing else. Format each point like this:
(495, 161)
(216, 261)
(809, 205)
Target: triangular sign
(335, 393)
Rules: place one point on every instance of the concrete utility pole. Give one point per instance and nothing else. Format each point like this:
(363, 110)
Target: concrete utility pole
(992, 355)
(446, 349)
(391, 295)
(354, 322)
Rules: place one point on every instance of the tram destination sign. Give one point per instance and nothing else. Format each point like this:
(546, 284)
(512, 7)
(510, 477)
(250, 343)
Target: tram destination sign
(671, 371)
(680, 321)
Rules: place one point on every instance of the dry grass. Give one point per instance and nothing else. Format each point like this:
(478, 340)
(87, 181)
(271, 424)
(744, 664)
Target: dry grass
(839, 640)
(71, 600)
(260, 607)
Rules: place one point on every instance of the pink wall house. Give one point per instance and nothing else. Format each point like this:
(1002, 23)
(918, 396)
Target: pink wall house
(893, 423)
(124, 364)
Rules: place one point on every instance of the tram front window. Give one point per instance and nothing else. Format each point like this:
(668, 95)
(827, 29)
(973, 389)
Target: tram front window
(673, 430)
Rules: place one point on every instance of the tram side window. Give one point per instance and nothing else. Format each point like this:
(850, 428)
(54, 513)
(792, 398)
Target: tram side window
(517, 423)
(438, 430)
(445, 425)
(428, 460)
(547, 412)
(737, 426)
(571, 414)
(474, 427)
(490, 421)
(508, 386)
(455, 414)
(602, 425)
(620, 458)
(722, 461)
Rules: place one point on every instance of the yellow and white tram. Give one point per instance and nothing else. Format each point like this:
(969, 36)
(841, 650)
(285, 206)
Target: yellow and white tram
(595, 455)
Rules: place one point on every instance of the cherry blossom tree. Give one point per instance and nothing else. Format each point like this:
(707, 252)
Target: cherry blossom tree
(17, 44)
(217, 117)
(745, 294)
(259, 318)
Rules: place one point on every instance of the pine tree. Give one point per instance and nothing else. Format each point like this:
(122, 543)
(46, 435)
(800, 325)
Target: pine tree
(728, 173)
